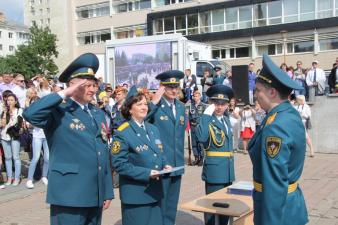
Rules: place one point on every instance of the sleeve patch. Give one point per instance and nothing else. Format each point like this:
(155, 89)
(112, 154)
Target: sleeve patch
(273, 146)
(116, 147)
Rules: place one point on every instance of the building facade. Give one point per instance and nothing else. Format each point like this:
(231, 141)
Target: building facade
(11, 36)
(240, 31)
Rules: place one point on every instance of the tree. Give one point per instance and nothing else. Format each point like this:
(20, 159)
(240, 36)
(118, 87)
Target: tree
(37, 57)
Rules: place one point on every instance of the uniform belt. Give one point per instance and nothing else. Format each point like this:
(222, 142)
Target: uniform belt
(220, 154)
(291, 188)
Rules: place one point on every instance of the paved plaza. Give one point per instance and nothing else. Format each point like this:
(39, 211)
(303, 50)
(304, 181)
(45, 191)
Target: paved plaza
(20, 206)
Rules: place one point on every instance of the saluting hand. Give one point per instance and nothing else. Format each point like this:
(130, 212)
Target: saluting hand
(74, 86)
(157, 96)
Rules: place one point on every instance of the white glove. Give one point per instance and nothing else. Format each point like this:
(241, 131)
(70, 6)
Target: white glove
(209, 110)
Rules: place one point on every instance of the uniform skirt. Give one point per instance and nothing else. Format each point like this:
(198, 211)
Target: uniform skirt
(142, 214)
(247, 133)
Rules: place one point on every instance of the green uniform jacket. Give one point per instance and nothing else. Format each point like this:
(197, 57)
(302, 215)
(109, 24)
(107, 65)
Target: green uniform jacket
(216, 169)
(277, 152)
(172, 131)
(79, 168)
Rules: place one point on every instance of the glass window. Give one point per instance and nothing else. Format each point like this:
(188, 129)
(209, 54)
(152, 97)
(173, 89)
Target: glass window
(0, 47)
(231, 18)
(307, 10)
(290, 11)
(105, 37)
(275, 12)
(324, 9)
(158, 26)
(83, 14)
(289, 48)
(11, 48)
(145, 4)
(202, 66)
(260, 15)
(205, 22)
(232, 53)
(218, 20)
(245, 17)
(306, 46)
(328, 44)
(140, 32)
(223, 54)
(169, 25)
(193, 24)
(181, 24)
(215, 54)
(279, 49)
(10, 35)
(267, 49)
(242, 52)
(122, 8)
(336, 4)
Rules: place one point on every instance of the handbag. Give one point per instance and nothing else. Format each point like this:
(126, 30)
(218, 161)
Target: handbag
(14, 131)
(26, 139)
(308, 124)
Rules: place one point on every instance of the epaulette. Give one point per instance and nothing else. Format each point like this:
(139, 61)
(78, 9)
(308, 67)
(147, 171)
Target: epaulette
(123, 126)
(271, 119)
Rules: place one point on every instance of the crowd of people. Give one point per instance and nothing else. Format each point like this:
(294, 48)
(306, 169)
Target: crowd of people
(156, 116)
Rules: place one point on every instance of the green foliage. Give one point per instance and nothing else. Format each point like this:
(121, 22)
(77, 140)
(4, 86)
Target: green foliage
(37, 57)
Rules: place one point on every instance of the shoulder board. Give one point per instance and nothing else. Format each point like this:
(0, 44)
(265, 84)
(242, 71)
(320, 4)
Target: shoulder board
(271, 119)
(123, 126)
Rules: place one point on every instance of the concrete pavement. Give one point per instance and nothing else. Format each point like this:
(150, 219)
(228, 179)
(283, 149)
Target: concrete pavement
(20, 206)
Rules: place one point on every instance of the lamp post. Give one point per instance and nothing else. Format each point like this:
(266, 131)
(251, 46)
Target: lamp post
(284, 33)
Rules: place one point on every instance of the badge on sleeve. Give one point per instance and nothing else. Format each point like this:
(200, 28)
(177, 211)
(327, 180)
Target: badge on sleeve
(273, 145)
(116, 147)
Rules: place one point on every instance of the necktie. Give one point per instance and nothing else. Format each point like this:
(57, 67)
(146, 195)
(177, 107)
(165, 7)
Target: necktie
(87, 110)
(143, 127)
(315, 76)
(172, 106)
(225, 125)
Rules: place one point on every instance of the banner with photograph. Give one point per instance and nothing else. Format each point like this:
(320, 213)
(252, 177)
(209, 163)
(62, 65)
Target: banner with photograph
(139, 64)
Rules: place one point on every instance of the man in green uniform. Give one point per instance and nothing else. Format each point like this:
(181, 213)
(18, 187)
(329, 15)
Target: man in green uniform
(277, 152)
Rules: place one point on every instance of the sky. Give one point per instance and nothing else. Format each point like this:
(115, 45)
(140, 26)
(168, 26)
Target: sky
(13, 9)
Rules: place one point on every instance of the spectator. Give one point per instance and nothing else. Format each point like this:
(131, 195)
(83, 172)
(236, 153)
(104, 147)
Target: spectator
(234, 118)
(218, 77)
(333, 77)
(189, 84)
(39, 141)
(44, 88)
(20, 89)
(7, 83)
(252, 79)
(299, 77)
(228, 79)
(206, 84)
(260, 115)
(120, 94)
(4, 99)
(305, 112)
(104, 106)
(57, 87)
(11, 122)
(248, 125)
(291, 71)
(315, 79)
(2, 186)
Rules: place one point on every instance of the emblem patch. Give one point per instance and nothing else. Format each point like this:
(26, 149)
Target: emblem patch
(273, 145)
(116, 147)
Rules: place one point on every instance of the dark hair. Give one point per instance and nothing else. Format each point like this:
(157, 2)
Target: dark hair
(129, 103)
(6, 93)
(17, 105)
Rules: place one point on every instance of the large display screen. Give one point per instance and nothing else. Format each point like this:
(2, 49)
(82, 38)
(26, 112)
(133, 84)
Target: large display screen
(139, 64)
